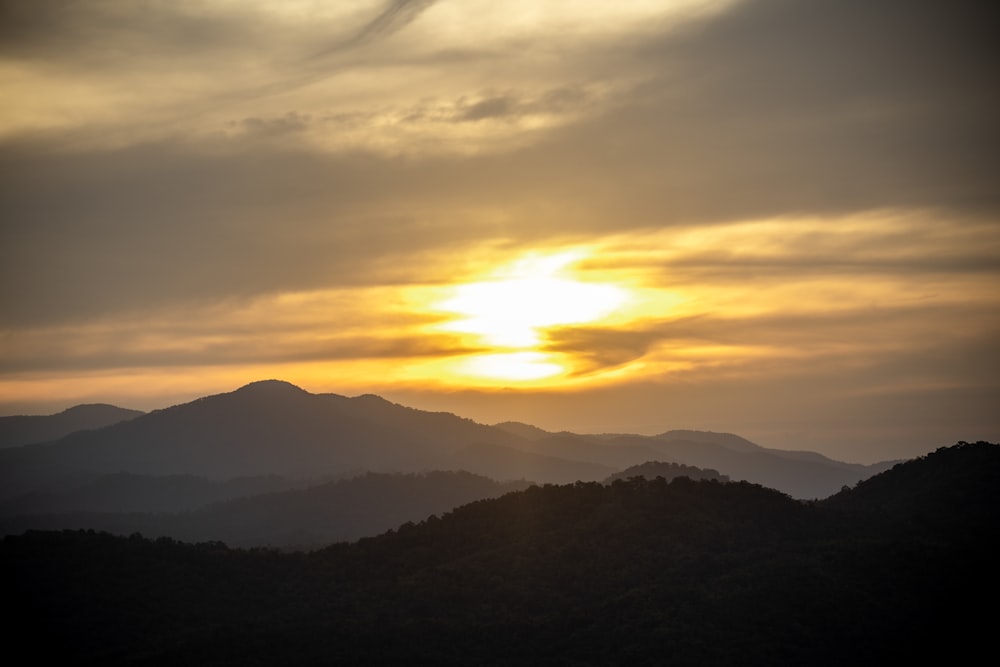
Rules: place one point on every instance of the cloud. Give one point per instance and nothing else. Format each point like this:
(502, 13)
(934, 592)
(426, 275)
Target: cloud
(280, 126)
(784, 108)
(907, 337)
(104, 33)
(130, 348)
(98, 232)
(492, 107)
(352, 323)
(396, 16)
(817, 179)
(875, 245)
(597, 349)
(562, 100)
(151, 71)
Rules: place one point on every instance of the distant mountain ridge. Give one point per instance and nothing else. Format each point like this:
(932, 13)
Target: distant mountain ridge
(267, 427)
(20, 430)
(315, 516)
(272, 427)
(798, 473)
(130, 492)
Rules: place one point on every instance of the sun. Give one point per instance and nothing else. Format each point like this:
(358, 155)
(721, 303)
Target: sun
(510, 310)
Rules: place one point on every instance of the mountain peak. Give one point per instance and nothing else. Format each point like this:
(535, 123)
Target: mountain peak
(728, 440)
(270, 387)
(373, 399)
(523, 430)
(84, 408)
(28, 429)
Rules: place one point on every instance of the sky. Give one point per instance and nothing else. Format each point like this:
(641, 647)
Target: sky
(778, 218)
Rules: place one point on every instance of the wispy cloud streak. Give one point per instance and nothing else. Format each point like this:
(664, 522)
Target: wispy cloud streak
(396, 16)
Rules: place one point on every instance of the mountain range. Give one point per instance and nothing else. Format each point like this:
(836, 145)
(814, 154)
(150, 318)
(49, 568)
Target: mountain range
(272, 464)
(642, 572)
(272, 428)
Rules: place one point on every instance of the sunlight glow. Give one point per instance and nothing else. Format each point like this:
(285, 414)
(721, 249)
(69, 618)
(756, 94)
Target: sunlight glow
(511, 366)
(512, 309)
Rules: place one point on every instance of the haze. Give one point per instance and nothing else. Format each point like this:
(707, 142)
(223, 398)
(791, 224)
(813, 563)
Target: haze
(769, 217)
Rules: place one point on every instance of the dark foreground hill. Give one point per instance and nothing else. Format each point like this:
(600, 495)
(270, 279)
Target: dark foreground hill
(668, 471)
(644, 572)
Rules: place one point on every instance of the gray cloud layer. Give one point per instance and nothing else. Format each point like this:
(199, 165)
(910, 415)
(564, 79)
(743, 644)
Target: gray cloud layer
(777, 107)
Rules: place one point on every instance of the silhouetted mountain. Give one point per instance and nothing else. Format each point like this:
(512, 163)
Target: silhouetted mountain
(590, 448)
(668, 471)
(264, 428)
(799, 474)
(526, 431)
(304, 518)
(128, 492)
(946, 491)
(634, 572)
(275, 428)
(727, 440)
(28, 429)
(510, 463)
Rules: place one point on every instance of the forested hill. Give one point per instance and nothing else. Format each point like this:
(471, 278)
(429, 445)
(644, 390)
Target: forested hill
(959, 474)
(668, 471)
(636, 572)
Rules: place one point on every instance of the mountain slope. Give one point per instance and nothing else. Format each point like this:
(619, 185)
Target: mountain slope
(128, 492)
(589, 448)
(526, 431)
(274, 428)
(27, 429)
(636, 572)
(952, 490)
(335, 511)
(516, 463)
(266, 427)
(801, 479)
(804, 475)
(799, 474)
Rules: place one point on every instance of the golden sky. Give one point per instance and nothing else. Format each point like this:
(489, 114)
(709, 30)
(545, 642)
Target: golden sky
(771, 217)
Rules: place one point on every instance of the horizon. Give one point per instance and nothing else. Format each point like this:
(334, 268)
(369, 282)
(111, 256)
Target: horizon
(761, 217)
(649, 431)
